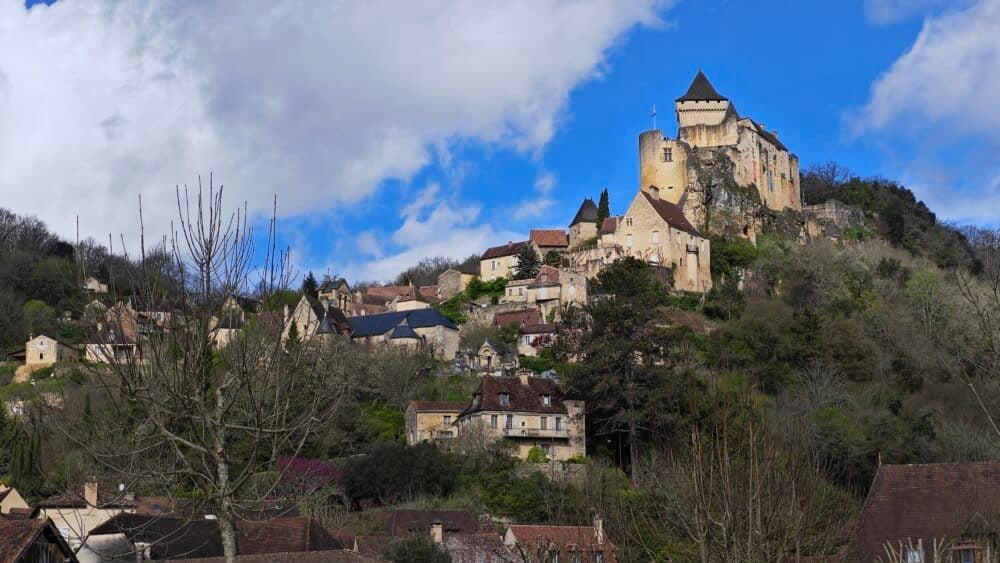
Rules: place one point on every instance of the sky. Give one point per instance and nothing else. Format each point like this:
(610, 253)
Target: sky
(393, 131)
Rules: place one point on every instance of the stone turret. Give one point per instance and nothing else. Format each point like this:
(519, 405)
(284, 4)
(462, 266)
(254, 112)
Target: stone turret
(701, 104)
(584, 224)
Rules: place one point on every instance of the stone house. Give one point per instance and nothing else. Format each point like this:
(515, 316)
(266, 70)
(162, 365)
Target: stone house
(423, 328)
(930, 513)
(93, 285)
(547, 240)
(337, 292)
(307, 316)
(516, 291)
(429, 421)
(560, 543)
(452, 281)
(11, 500)
(531, 339)
(75, 514)
(111, 344)
(553, 289)
(501, 261)
(31, 541)
(656, 231)
(528, 411)
(583, 227)
(494, 357)
(408, 303)
(43, 351)
(386, 294)
(520, 318)
(708, 120)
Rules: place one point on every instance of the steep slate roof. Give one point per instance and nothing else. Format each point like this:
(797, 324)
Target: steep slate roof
(334, 317)
(373, 325)
(671, 213)
(330, 284)
(509, 249)
(403, 331)
(403, 522)
(926, 501)
(498, 346)
(609, 225)
(768, 136)
(523, 398)
(548, 237)
(16, 535)
(701, 90)
(587, 212)
(438, 406)
(526, 317)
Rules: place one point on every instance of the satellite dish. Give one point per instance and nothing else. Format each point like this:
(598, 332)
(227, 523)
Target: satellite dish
(121, 487)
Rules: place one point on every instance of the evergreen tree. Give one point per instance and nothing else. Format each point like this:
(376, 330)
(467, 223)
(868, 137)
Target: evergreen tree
(603, 208)
(309, 287)
(528, 263)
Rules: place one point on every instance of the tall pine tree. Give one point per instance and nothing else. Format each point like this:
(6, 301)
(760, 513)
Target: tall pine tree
(528, 263)
(603, 208)
(309, 287)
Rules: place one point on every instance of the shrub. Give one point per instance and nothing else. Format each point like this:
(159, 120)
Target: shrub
(393, 472)
(536, 455)
(417, 548)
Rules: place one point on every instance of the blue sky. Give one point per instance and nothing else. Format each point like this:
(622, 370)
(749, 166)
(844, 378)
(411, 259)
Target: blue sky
(476, 123)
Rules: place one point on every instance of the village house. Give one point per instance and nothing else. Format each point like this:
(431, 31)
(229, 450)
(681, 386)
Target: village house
(583, 227)
(429, 294)
(929, 513)
(12, 503)
(516, 291)
(560, 543)
(549, 240)
(429, 421)
(307, 316)
(455, 531)
(553, 289)
(532, 338)
(494, 357)
(387, 294)
(501, 261)
(111, 344)
(420, 328)
(409, 303)
(32, 541)
(518, 318)
(337, 292)
(43, 351)
(75, 514)
(453, 281)
(93, 285)
(530, 412)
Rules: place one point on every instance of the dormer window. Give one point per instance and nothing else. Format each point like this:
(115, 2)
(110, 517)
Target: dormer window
(546, 400)
(504, 398)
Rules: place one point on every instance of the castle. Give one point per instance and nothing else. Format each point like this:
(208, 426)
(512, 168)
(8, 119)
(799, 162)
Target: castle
(660, 223)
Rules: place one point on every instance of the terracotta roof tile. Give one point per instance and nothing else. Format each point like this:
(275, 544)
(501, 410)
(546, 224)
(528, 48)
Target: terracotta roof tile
(579, 538)
(609, 225)
(926, 501)
(524, 317)
(509, 249)
(547, 238)
(403, 522)
(389, 292)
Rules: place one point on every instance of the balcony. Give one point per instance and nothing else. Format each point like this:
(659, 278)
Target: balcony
(535, 432)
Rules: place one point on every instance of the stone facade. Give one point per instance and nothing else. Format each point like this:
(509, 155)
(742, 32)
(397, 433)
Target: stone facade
(451, 282)
(430, 421)
(42, 351)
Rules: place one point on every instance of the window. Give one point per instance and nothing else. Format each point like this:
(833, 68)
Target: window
(504, 399)
(656, 237)
(668, 154)
(493, 421)
(547, 400)
(493, 265)
(543, 423)
(628, 221)
(509, 423)
(967, 556)
(598, 557)
(628, 241)
(913, 555)
(558, 423)
(447, 419)
(41, 355)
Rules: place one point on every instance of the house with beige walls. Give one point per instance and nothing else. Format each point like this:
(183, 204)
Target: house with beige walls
(425, 329)
(583, 227)
(516, 291)
(10, 499)
(43, 351)
(529, 412)
(531, 339)
(430, 421)
(307, 316)
(453, 281)
(501, 261)
(76, 513)
(553, 288)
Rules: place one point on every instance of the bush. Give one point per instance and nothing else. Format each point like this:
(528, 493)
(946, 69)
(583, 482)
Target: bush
(393, 472)
(384, 423)
(537, 455)
(43, 373)
(417, 548)
(522, 499)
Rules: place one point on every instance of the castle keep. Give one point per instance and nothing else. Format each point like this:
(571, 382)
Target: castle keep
(707, 124)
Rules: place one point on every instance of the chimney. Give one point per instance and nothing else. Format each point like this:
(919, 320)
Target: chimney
(599, 529)
(762, 126)
(775, 133)
(90, 491)
(437, 532)
(524, 378)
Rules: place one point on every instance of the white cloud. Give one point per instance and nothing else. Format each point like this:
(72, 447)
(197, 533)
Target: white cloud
(318, 102)
(542, 202)
(950, 76)
(885, 12)
(368, 244)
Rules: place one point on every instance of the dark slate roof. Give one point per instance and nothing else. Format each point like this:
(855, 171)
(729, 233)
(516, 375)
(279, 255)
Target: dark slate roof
(523, 398)
(373, 325)
(587, 212)
(509, 249)
(671, 213)
(550, 328)
(498, 346)
(332, 315)
(926, 501)
(404, 522)
(403, 331)
(331, 284)
(701, 90)
(768, 136)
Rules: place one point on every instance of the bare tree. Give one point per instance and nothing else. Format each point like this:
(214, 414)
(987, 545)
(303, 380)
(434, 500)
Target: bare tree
(184, 414)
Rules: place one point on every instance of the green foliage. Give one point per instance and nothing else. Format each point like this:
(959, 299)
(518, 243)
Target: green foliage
(6, 374)
(537, 455)
(417, 548)
(580, 458)
(43, 373)
(528, 263)
(278, 300)
(603, 207)
(553, 258)
(384, 423)
(508, 334)
(452, 308)
(521, 498)
(541, 363)
(392, 472)
(730, 257)
(71, 332)
(309, 286)
(39, 316)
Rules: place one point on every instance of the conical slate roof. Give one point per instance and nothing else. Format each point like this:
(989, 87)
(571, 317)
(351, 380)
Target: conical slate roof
(587, 213)
(324, 326)
(701, 90)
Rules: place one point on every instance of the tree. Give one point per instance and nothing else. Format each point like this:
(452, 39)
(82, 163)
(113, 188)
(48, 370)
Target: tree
(417, 548)
(309, 287)
(616, 345)
(39, 316)
(528, 263)
(603, 208)
(192, 417)
(553, 258)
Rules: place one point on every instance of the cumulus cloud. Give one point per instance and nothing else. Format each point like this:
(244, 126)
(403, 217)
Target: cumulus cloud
(319, 102)
(885, 12)
(950, 75)
(542, 200)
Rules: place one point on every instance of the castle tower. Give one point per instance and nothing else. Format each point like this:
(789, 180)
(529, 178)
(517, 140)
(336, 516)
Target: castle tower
(662, 163)
(584, 224)
(701, 104)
